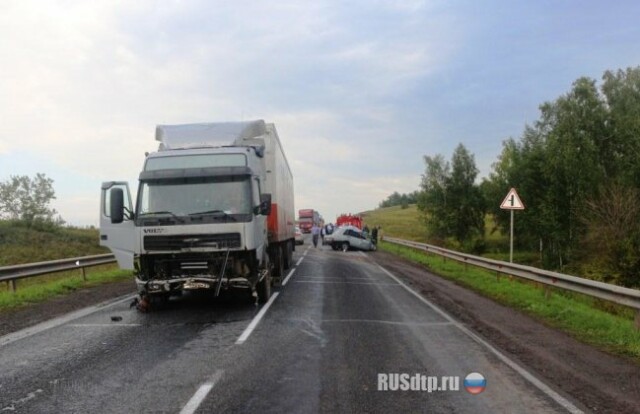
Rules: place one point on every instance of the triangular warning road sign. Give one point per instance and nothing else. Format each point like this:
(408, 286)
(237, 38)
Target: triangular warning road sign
(512, 201)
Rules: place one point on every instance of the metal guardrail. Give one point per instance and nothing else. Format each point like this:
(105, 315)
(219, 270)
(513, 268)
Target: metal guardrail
(11, 274)
(613, 293)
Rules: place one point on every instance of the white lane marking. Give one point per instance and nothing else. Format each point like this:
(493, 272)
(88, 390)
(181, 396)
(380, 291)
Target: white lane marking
(102, 325)
(286, 279)
(344, 283)
(299, 261)
(195, 401)
(61, 320)
(563, 402)
(256, 320)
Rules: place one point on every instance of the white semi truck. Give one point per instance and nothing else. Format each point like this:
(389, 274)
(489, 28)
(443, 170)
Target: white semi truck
(214, 211)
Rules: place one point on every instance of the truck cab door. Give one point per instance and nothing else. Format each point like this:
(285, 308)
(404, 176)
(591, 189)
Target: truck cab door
(118, 237)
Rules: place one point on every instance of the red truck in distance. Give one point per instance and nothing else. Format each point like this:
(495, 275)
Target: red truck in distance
(349, 220)
(306, 219)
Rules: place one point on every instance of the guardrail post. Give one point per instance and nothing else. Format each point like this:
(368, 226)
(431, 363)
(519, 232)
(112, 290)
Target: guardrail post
(497, 276)
(547, 291)
(637, 320)
(13, 286)
(84, 274)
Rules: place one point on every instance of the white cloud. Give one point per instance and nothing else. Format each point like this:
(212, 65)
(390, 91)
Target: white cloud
(88, 82)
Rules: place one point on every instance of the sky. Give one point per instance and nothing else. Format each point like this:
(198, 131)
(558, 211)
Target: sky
(359, 91)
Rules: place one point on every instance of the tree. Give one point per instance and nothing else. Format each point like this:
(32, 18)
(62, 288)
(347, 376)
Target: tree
(27, 199)
(620, 145)
(573, 125)
(432, 201)
(466, 204)
(613, 229)
(397, 199)
(452, 203)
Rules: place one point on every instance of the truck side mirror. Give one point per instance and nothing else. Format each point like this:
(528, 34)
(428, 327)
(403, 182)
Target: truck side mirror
(265, 204)
(116, 206)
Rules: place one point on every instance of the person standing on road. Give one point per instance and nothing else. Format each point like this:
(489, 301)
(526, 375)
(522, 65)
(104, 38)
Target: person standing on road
(374, 235)
(315, 232)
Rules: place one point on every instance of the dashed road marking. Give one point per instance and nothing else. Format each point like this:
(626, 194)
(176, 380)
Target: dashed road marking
(256, 320)
(195, 401)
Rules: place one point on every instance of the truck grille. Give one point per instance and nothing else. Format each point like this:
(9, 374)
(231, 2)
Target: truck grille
(186, 241)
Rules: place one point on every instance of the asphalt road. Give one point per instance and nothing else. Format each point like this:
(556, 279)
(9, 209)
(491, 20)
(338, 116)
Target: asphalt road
(320, 345)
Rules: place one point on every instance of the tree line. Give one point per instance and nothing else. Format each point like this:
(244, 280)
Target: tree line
(397, 199)
(577, 170)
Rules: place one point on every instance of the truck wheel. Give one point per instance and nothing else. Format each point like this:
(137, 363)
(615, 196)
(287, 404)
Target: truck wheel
(264, 289)
(278, 266)
(289, 254)
(345, 246)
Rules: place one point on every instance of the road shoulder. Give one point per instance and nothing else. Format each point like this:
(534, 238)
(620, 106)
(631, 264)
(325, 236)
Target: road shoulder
(600, 381)
(13, 320)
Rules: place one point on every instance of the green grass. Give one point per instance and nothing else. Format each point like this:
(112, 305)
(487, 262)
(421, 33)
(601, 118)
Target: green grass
(576, 314)
(398, 222)
(22, 244)
(39, 289)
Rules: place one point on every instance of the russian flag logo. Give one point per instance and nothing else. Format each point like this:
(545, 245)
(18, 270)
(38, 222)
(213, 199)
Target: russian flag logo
(475, 383)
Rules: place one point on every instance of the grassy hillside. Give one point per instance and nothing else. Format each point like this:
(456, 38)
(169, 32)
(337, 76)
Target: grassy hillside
(407, 224)
(22, 244)
(398, 222)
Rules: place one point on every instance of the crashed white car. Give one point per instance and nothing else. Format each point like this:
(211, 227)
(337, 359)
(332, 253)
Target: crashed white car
(349, 237)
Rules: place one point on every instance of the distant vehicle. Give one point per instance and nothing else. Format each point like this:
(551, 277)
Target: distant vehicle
(349, 237)
(307, 218)
(299, 238)
(349, 220)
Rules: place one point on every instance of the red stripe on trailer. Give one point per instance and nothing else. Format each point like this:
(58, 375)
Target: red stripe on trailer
(272, 220)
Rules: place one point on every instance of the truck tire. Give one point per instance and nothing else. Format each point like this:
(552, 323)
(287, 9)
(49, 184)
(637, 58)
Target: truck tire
(288, 257)
(278, 265)
(264, 289)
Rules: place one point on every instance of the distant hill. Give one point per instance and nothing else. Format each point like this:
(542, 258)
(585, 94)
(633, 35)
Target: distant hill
(398, 222)
(22, 244)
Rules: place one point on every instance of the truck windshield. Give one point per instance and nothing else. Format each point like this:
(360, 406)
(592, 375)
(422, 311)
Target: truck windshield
(195, 197)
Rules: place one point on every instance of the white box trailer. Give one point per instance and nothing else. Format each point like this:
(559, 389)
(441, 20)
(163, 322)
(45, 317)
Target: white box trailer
(214, 211)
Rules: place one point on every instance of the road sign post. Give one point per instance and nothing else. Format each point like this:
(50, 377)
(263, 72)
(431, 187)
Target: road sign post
(511, 202)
